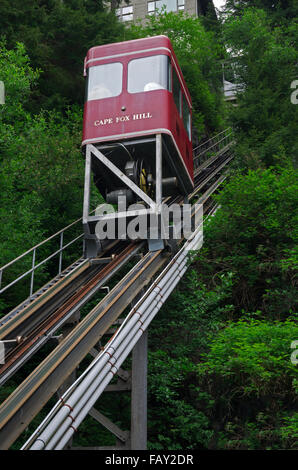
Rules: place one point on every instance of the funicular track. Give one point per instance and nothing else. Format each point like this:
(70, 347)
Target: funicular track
(38, 321)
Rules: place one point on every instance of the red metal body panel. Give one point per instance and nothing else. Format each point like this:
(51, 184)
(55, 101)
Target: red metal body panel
(141, 114)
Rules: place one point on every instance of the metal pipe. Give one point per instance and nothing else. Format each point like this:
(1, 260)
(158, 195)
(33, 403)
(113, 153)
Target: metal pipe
(125, 352)
(122, 349)
(61, 252)
(149, 303)
(32, 274)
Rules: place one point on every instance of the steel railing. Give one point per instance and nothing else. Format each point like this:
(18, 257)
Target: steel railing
(212, 146)
(33, 252)
(201, 153)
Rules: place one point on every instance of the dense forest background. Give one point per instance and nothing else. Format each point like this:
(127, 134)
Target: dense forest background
(220, 374)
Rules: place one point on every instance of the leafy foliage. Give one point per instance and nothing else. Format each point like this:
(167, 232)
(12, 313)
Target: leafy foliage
(220, 374)
(41, 174)
(57, 36)
(198, 54)
(265, 61)
(249, 375)
(254, 235)
(178, 408)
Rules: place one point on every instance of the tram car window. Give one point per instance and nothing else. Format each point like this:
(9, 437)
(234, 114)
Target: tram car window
(104, 81)
(135, 91)
(149, 73)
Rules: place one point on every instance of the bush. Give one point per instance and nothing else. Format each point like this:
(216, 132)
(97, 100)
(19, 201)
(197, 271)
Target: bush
(254, 236)
(249, 375)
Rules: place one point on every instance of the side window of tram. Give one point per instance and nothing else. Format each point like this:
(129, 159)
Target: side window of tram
(104, 81)
(186, 117)
(176, 91)
(148, 74)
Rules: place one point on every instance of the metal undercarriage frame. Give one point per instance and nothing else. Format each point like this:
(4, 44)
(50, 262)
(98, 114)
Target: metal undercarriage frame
(155, 242)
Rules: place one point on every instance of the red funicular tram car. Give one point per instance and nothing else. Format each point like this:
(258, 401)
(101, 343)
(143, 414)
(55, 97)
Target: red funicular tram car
(137, 105)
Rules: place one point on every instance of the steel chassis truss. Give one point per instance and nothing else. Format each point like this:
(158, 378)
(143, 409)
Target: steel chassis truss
(92, 244)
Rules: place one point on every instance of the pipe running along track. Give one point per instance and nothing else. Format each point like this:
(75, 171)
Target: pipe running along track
(27, 400)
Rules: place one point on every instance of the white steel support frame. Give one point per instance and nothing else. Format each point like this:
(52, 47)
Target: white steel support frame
(57, 428)
(136, 439)
(154, 206)
(135, 382)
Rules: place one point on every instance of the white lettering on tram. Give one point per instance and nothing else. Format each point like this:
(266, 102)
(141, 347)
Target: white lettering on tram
(123, 118)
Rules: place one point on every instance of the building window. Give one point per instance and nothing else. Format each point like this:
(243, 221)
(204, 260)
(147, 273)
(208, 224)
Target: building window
(125, 13)
(171, 5)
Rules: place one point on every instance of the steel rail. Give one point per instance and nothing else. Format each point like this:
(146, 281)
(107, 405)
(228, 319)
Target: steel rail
(4, 331)
(16, 324)
(57, 428)
(39, 294)
(198, 168)
(25, 402)
(90, 385)
(19, 409)
(46, 328)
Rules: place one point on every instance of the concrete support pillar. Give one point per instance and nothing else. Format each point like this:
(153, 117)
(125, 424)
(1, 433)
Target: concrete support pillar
(139, 394)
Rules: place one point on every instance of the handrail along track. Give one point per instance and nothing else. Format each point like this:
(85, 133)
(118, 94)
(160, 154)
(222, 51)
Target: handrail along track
(27, 398)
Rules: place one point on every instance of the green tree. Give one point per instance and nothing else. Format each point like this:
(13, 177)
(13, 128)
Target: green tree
(179, 415)
(265, 60)
(57, 35)
(41, 174)
(253, 385)
(279, 10)
(198, 55)
(254, 235)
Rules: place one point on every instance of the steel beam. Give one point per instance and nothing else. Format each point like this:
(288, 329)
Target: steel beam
(139, 394)
(123, 436)
(127, 181)
(29, 398)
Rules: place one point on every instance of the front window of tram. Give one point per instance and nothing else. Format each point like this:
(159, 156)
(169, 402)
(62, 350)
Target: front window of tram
(149, 73)
(104, 81)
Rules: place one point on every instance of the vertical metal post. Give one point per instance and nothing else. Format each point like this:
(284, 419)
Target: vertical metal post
(158, 177)
(155, 240)
(61, 252)
(87, 185)
(32, 274)
(139, 394)
(1, 272)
